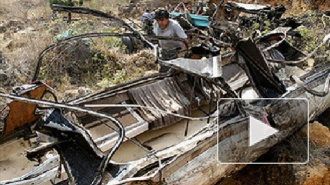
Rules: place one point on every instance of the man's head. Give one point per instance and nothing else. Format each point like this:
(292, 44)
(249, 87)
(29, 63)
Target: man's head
(162, 17)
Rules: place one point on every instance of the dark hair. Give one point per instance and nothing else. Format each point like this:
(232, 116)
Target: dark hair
(147, 10)
(161, 13)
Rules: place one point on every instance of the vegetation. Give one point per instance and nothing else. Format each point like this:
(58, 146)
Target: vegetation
(67, 2)
(95, 63)
(32, 30)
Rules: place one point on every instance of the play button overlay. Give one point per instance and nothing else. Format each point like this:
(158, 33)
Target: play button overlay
(262, 131)
(259, 130)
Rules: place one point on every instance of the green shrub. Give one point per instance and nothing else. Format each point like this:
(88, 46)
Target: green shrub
(61, 2)
(67, 2)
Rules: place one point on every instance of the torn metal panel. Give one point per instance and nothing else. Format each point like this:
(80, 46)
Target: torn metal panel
(266, 84)
(22, 114)
(322, 93)
(271, 12)
(275, 35)
(56, 125)
(33, 178)
(298, 62)
(225, 20)
(275, 46)
(284, 52)
(208, 68)
(248, 7)
(73, 142)
(204, 50)
(170, 95)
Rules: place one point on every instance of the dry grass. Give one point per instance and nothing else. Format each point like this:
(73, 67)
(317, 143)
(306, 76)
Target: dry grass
(25, 9)
(27, 36)
(108, 64)
(21, 50)
(33, 31)
(105, 5)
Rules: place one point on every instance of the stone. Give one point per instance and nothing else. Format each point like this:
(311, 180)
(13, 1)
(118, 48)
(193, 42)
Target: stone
(3, 76)
(318, 134)
(2, 29)
(1, 58)
(8, 44)
(13, 23)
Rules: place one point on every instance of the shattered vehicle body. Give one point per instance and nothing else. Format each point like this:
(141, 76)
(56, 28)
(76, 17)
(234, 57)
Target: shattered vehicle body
(163, 127)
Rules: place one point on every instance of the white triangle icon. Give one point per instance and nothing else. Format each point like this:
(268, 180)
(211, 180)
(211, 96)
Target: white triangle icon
(259, 131)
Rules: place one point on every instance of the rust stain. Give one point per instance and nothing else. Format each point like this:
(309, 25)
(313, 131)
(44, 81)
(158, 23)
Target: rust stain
(22, 113)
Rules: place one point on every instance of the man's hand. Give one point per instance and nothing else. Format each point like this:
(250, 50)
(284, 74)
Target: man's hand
(184, 47)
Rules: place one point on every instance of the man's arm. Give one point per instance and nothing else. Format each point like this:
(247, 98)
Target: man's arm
(199, 10)
(200, 6)
(155, 30)
(184, 47)
(180, 33)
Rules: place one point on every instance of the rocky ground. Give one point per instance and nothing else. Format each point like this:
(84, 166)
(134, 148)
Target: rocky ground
(26, 28)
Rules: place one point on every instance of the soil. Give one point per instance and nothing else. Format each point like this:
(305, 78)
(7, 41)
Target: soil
(317, 175)
(13, 162)
(318, 133)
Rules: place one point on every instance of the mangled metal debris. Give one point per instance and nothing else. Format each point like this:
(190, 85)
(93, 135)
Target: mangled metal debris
(139, 130)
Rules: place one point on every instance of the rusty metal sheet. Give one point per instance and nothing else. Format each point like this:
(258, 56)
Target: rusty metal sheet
(22, 113)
